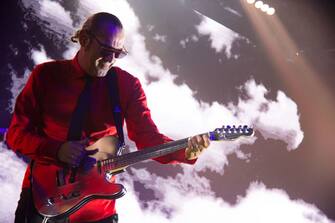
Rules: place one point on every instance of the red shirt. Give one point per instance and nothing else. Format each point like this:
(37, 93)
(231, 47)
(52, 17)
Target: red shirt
(43, 110)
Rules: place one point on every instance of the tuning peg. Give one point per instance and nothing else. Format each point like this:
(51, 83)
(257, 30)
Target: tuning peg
(247, 130)
(238, 130)
(250, 131)
(218, 131)
(223, 128)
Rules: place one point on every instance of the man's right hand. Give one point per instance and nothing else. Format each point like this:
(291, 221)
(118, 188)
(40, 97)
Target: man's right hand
(72, 152)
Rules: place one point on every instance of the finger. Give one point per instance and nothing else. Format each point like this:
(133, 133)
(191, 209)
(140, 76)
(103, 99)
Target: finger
(77, 151)
(205, 140)
(79, 148)
(74, 164)
(189, 143)
(72, 158)
(81, 155)
(71, 161)
(197, 141)
(76, 160)
(91, 152)
(84, 141)
(193, 141)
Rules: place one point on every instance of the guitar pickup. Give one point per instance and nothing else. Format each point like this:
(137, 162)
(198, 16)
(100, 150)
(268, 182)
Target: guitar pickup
(60, 177)
(73, 174)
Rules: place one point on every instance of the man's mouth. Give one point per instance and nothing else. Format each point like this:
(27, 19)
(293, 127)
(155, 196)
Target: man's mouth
(104, 64)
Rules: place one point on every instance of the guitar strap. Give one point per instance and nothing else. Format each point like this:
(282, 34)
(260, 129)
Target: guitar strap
(78, 116)
(116, 107)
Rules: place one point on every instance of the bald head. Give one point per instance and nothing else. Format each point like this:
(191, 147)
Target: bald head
(100, 24)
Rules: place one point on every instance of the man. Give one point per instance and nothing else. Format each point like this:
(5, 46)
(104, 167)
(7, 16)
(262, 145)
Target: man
(45, 107)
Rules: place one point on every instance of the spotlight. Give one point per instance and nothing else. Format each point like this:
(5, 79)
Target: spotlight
(262, 6)
(270, 11)
(258, 4)
(265, 7)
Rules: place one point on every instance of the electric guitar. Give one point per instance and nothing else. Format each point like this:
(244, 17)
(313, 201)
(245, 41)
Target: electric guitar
(59, 191)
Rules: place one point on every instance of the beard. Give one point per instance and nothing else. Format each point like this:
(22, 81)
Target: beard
(102, 67)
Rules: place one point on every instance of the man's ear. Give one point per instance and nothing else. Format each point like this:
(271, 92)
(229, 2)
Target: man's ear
(84, 40)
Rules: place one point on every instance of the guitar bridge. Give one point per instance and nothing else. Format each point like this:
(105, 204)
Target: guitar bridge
(109, 174)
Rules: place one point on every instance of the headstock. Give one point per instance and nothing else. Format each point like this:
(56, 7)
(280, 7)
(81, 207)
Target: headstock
(230, 132)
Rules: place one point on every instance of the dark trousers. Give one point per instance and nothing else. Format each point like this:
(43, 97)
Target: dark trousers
(27, 213)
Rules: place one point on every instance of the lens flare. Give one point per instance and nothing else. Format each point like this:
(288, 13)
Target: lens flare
(270, 11)
(265, 7)
(258, 4)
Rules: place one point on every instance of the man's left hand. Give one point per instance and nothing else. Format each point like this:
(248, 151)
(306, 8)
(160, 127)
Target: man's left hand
(196, 145)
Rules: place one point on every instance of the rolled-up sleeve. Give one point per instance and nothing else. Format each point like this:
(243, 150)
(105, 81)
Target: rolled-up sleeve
(143, 131)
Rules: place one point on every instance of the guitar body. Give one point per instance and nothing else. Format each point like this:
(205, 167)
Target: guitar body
(59, 191)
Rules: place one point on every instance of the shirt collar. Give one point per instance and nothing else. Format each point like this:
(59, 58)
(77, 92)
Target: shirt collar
(79, 71)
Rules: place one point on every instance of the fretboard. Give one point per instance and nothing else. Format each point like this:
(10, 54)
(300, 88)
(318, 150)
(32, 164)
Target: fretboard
(145, 154)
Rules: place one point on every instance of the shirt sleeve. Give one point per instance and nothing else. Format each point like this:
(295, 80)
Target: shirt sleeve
(143, 131)
(24, 134)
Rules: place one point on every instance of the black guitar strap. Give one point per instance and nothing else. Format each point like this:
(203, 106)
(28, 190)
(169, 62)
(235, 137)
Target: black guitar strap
(116, 107)
(80, 112)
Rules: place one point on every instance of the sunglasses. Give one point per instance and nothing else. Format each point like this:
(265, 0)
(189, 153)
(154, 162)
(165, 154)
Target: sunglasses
(107, 51)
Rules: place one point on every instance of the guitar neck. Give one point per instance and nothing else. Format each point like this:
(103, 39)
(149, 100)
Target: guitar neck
(120, 162)
(145, 154)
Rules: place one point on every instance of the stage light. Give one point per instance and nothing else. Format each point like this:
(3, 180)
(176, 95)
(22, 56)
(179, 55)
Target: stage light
(265, 7)
(251, 1)
(258, 4)
(270, 11)
(262, 6)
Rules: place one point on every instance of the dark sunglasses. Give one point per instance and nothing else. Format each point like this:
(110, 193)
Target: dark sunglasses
(108, 50)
